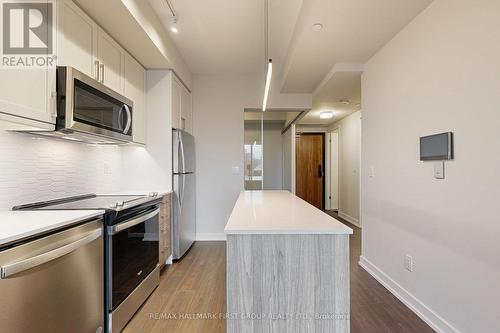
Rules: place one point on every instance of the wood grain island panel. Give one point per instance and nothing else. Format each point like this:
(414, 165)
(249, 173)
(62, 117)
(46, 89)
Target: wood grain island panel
(282, 281)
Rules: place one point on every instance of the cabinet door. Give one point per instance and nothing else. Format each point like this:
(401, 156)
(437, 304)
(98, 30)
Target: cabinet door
(176, 103)
(77, 39)
(186, 111)
(134, 89)
(27, 94)
(165, 246)
(110, 55)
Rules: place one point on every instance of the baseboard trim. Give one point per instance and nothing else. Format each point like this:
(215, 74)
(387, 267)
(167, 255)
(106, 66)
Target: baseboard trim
(203, 237)
(349, 219)
(432, 319)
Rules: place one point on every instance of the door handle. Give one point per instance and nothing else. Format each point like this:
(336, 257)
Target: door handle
(24, 265)
(129, 118)
(321, 173)
(130, 223)
(96, 69)
(101, 67)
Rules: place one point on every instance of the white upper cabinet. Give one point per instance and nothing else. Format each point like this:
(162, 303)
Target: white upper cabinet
(134, 89)
(176, 103)
(26, 95)
(186, 111)
(110, 56)
(77, 39)
(182, 115)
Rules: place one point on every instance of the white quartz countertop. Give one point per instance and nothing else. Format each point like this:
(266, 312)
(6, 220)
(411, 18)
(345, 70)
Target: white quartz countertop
(18, 225)
(279, 212)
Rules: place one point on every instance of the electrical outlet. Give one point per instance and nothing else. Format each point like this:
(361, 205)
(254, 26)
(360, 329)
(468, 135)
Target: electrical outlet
(409, 264)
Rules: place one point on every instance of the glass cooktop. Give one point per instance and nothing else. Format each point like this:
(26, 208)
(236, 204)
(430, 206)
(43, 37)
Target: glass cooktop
(90, 201)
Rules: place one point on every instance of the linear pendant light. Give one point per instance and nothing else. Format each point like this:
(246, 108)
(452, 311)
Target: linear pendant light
(269, 62)
(268, 83)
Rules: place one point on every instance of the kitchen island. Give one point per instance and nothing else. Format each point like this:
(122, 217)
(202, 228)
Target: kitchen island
(287, 266)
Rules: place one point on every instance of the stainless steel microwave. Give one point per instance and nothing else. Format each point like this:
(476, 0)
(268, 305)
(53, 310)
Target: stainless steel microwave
(89, 111)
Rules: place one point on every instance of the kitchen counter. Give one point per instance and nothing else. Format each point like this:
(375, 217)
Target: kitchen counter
(279, 212)
(287, 266)
(18, 225)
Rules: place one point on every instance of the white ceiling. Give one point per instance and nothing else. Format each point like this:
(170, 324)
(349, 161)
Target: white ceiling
(354, 30)
(226, 37)
(341, 94)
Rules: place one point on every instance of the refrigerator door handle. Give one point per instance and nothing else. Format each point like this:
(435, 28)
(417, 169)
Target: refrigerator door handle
(180, 193)
(183, 170)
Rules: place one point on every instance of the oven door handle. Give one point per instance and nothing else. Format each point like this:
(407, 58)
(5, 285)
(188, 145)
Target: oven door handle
(130, 223)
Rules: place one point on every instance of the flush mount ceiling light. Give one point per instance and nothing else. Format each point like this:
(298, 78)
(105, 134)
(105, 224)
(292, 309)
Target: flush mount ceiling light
(345, 101)
(173, 23)
(326, 114)
(268, 62)
(317, 27)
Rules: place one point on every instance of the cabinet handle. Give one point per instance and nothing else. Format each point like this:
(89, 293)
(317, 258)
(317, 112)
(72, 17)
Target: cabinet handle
(101, 66)
(96, 69)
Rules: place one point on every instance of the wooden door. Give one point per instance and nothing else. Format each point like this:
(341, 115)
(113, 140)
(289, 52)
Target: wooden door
(309, 182)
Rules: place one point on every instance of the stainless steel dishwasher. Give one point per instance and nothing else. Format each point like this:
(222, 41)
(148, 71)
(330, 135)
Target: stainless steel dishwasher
(54, 283)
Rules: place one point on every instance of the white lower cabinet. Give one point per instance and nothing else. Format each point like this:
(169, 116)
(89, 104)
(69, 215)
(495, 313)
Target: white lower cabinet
(134, 89)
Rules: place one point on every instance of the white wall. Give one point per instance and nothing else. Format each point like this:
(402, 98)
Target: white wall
(273, 156)
(218, 105)
(441, 73)
(350, 154)
(35, 169)
(288, 140)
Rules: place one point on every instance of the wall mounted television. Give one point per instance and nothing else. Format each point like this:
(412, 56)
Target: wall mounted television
(437, 147)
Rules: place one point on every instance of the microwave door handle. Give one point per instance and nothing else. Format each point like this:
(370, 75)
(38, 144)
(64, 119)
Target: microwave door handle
(129, 119)
(130, 223)
(26, 264)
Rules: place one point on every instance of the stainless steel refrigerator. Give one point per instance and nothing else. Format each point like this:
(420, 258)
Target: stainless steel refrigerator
(184, 223)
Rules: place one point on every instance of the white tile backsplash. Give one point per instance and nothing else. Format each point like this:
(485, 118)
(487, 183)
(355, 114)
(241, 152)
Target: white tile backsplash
(33, 169)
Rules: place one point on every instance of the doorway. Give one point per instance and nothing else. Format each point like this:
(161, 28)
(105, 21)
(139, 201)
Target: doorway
(310, 168)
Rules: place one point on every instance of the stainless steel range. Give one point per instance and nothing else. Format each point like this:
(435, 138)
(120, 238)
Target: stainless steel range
(131, 248)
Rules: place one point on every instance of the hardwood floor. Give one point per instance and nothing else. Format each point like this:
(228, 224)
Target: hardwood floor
(196, 287)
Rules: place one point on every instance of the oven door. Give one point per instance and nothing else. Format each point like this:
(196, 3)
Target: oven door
(86, 105)
(134, 246)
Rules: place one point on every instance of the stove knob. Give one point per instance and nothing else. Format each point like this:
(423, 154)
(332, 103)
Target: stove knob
(120, 203)
(113, 205)
(153, 194)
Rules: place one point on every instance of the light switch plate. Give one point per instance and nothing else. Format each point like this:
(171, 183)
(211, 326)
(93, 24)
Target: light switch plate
(439, 170)
(371, 173)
